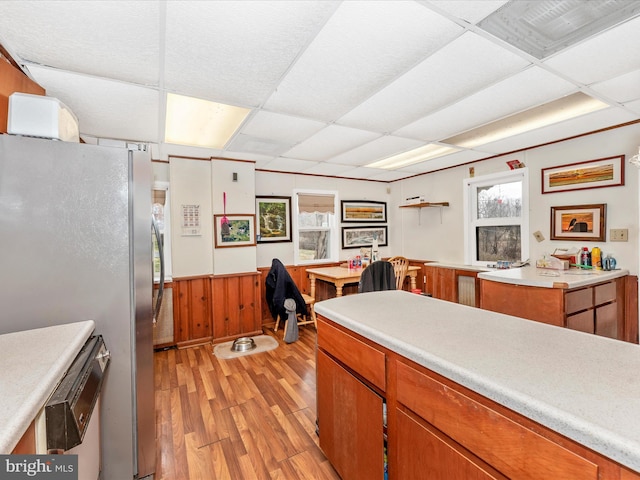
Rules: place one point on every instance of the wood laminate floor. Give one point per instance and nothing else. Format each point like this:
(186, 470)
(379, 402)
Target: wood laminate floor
(251, 417)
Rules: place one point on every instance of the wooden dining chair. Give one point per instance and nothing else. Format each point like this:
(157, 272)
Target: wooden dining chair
(400, 266)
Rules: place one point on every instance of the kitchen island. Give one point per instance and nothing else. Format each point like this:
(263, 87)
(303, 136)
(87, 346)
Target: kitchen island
(472, 393)
(32, 364)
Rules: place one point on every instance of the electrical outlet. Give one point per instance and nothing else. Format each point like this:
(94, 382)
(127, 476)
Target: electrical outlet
(538, 236)
(619, 235)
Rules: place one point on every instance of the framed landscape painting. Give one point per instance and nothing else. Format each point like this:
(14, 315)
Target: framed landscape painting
(356, 237)
(363, 211)
(234, 230)
(603, 172)
(274, 219)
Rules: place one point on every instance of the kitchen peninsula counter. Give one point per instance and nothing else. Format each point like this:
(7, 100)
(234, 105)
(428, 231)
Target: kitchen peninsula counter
(546, 278)
(32, 364)
(581, 386)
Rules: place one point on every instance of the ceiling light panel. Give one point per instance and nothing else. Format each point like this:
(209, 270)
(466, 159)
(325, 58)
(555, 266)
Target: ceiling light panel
(201, 123)
(456, 158)
(468, 63)
(237, 52)
(544, 27)
(283, 128)
(363, 47)
(417, 155)
(331, 141)
(379, 148)
(523, 90)
(117, 40)
(595, 60)
(104, 108)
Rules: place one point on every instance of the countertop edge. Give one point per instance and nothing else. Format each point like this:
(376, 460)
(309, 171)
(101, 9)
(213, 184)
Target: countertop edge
(22, 416)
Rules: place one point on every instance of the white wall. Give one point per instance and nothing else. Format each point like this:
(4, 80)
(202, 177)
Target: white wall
(280, 184)
(424, 235)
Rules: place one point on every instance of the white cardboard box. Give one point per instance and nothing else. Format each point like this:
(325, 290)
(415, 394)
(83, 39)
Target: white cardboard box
(41, 116)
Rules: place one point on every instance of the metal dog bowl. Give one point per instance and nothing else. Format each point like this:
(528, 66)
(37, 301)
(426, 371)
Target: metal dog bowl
(243, 344)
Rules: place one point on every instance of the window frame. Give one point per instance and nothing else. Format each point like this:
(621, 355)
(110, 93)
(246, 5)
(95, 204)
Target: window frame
(471, 222)
(166, 231)
(332, 228)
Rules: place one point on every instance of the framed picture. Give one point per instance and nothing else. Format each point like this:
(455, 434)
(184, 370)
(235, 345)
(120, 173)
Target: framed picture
(579, 222)
(274, 219)
(603, 172)
(234, 230)
(356, 237)
(363, 211)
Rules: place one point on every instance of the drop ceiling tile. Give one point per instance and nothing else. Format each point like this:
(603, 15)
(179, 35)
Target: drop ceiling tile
(471, 11)
(324, 168)
(456, 158)
(361, 172)
(454, 72)
(118, 40)
(634, 106)
(329, 142)
(282, 128)
(532, 87)
(389, 176)
(105, 108)
(237, 52)
(613, 53)
(621, 89)
(256, 145)
(363, 47)
(376, 150)
(284, 164)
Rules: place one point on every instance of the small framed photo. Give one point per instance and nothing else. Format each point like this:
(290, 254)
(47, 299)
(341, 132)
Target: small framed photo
(579, 222)
(603, 172)
(234, 230)
(363, 211)
(356, 237)
(274, 219)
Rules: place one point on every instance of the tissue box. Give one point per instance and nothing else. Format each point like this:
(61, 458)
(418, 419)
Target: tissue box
(40, 116)
(414, 200)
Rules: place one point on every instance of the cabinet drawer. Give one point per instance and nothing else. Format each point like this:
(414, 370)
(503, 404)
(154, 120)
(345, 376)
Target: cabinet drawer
(357, 355)
(582, 321)
(605, 293)
(496, 439)
(578, 300)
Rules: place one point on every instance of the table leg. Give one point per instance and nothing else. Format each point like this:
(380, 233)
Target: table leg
(339, 286)
(412, 278)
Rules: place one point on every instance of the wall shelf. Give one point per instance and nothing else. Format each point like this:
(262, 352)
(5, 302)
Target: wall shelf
(427, 205)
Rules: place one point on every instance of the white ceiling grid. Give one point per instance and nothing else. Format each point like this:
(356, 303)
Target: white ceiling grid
(333, 85)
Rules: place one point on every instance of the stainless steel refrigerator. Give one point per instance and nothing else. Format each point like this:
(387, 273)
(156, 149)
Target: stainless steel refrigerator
(75, 230)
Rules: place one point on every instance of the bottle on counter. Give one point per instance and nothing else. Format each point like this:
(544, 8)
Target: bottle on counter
(596, 258)
(612, 262)
(585, 257)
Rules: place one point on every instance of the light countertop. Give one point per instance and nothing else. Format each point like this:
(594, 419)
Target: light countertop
(31, 365)
(469, 268)
(540, 277)
(583, 386)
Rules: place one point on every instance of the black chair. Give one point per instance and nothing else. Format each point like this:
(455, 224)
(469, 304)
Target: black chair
(278, 287)
(377, 276)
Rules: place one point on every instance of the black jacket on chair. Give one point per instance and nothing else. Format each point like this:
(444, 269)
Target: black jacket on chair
(279, 286)
(378, 276)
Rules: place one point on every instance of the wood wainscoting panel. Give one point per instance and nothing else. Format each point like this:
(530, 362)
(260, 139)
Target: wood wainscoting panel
(192, 310)
(237, 306)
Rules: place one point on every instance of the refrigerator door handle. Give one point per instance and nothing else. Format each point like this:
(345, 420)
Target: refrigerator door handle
(156, 232)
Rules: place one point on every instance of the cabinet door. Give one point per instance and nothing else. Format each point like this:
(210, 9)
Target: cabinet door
(349, 422)
(607, 320)
(422, 453)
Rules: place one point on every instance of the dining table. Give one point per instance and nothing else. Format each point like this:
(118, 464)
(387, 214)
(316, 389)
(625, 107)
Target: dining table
(341, 276)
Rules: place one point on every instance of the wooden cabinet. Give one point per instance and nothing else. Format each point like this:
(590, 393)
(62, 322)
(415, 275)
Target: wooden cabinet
(452, 284)
(437, 429)
(350, 389)
(598, 308)
(27, 443)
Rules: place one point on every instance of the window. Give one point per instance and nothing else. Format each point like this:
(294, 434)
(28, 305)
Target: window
(496, 217)
(315, 232)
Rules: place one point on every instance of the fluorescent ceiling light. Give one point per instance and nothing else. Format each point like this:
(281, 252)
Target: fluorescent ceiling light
(201, 123)
(571, 106)
(416, 155)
